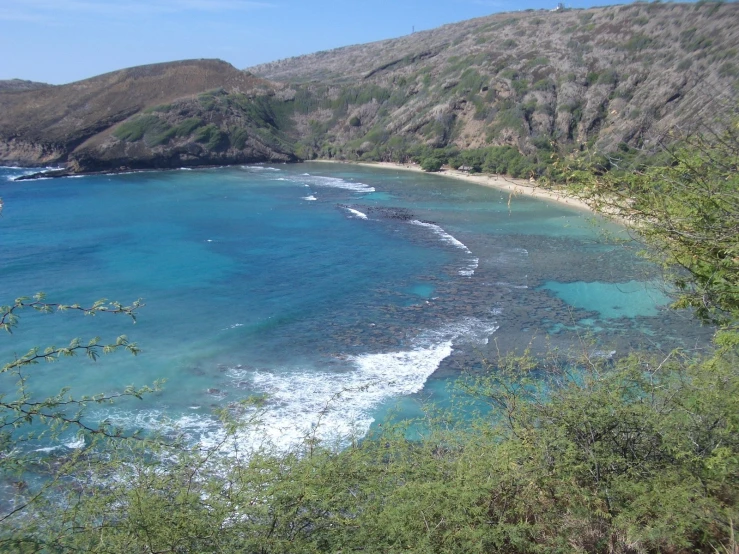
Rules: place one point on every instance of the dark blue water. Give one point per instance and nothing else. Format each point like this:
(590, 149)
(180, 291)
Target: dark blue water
(335, 290)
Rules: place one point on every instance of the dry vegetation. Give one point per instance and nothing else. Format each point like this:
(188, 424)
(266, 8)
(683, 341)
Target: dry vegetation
(604, 75)
(605, 79)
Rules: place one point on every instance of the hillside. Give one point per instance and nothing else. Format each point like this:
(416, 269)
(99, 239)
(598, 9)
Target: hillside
(604, 76)
(515, 86)
(20, 84)
(148, 116)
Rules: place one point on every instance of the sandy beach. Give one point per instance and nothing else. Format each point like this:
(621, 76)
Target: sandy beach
(514, 187)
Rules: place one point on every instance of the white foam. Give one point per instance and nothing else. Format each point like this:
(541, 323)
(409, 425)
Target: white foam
(469, 271)
(467, 330)
(330, 406)
(75, 444)
(474, 263)
(334, 406)
(357, 213)
(441, 233)
(47, 449)
(310, 198)
(335, 182)
(193, 425)
(259, 168)
(25, 172)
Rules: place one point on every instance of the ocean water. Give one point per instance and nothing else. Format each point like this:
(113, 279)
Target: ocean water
(336, 292)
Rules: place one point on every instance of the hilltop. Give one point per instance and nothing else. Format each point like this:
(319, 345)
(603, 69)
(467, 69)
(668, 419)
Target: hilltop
(20, 84)
(619, 78)
(148, 116)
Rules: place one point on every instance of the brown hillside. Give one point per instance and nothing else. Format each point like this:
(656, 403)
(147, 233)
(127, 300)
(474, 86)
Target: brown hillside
(48, 124)
(20, 84)
(605, 75)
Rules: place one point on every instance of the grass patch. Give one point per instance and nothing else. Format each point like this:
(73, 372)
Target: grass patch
(186, 127)
(153, 130)
(211, 136)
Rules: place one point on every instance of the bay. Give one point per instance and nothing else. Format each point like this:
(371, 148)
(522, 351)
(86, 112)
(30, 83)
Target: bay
(338, 292)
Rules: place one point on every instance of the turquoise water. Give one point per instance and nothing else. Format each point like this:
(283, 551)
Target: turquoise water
(613, 300)
(335, 290)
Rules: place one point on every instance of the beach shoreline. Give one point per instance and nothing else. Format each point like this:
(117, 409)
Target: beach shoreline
(514, 187)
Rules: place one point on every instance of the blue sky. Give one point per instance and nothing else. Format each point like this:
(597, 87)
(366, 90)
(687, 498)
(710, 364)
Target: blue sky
(60, 41)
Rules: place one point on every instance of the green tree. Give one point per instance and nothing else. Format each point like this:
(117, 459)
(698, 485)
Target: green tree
(687, 213)
(431, 164)
(28, 422)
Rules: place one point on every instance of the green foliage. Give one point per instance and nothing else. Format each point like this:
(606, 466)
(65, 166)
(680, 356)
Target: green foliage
(692, 42)
(542, 60)
(638, 42)
(238, 137)
(470, 81)
(684, 64)
(687, 212)
(641, 20)
(546, 85)
(134, 129)
(728, 69)
(25, 418)
(608, 77)
(520, 86)
(512, 118)
(211, 136)
(187, 126)
(162, 108)
(211, 100)
(553, 455)
(151, 128)
(431, 164)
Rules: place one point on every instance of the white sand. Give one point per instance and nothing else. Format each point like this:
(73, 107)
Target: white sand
(514, 187)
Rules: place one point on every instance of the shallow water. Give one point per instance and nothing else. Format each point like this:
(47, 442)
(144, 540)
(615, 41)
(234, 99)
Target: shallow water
(335, 290)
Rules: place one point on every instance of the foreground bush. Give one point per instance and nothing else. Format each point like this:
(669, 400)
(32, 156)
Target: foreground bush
(640, 457)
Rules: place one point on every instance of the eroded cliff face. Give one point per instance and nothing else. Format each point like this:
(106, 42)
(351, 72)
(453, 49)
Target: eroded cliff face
(20, 152)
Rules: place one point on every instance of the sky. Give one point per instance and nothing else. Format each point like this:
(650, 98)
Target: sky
(61, 41)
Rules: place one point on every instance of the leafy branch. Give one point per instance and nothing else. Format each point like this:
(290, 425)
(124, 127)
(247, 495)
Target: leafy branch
(9, 314)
